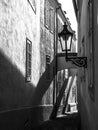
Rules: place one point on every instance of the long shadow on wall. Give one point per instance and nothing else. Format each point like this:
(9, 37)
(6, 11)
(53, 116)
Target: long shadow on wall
(16, 96)
(43, 83)
(14, 91)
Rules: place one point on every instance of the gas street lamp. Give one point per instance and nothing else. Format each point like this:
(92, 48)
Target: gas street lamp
(65, 37)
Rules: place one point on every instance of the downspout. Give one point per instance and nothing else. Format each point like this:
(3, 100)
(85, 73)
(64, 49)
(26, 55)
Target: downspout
(54, 67)
(55, 53)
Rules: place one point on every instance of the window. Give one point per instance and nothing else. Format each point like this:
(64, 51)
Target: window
(66, 74)
(28, 59)
(51, 20)
(48, 58)
(46, 14)
(49, 16)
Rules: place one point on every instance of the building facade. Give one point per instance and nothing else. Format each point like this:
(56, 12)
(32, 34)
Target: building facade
(20, 61)
(27, 55)
(87, 13)
(28, 64)
(26, 51)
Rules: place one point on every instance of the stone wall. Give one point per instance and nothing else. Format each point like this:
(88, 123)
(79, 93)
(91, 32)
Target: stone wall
(20, 101)
(47, 48)
(18, 21)
(86, 88)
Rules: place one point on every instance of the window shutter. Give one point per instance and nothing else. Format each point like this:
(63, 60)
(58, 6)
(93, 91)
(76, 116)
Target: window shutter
(28, 59)
(51, 19)
(46, 14)
(48, 58)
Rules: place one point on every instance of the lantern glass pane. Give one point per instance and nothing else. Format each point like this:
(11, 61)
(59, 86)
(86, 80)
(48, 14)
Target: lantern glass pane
(62, 43)
(69, 44)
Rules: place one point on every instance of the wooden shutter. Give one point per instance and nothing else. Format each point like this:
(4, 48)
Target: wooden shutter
(28, 59)
(46, 14)
(51, 19)
(48, 59)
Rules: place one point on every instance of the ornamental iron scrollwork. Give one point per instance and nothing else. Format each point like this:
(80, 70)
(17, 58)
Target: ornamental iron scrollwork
(79, 61)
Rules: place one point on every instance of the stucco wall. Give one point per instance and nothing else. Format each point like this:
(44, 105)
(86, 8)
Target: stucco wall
(20, 101)
(96, 60)
(87, 105)
(47, 48)
(18, 21)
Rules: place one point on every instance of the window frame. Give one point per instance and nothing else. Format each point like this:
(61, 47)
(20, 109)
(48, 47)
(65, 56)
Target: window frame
(51, 20)
(48, 61)
(28, 59)
(46, 14)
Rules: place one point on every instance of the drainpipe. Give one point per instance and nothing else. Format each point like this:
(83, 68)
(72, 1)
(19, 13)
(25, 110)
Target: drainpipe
(55, 53)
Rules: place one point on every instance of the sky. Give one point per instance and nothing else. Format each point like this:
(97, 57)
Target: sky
(67, 6)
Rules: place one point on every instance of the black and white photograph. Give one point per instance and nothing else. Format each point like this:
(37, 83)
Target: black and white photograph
(48, 64)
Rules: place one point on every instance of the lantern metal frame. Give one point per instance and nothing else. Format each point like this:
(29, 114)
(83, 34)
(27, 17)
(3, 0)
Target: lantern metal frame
(78, 61)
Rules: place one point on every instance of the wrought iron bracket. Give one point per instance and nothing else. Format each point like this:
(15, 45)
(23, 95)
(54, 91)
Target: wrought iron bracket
(78, 61)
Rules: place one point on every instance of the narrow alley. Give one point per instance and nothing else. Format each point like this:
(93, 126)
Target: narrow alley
(48, 65)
